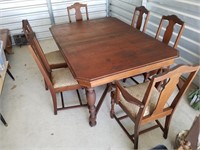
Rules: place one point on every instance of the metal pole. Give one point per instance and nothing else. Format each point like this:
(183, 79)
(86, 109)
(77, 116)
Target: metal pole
(50, 10)
(107, 8)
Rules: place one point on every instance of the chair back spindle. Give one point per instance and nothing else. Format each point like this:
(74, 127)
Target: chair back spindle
(172, 21)
(33, 41)
(168, 82)
(142, 12)
(78, 15)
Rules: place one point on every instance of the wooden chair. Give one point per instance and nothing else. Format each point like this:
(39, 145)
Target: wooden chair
(54, 58)
(137, 23)
(172, 21)
(58, 80)
(77, 6)
(147, 102)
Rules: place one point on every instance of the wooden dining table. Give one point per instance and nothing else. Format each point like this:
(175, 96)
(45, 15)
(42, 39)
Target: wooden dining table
(101, 51)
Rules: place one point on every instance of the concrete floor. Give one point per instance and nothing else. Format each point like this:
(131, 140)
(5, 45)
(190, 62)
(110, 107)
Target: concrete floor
(27, 108)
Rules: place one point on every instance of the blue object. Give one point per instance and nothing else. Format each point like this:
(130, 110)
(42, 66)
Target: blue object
(2, 56)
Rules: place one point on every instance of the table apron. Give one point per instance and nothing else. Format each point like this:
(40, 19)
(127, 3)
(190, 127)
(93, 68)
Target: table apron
(126, 74)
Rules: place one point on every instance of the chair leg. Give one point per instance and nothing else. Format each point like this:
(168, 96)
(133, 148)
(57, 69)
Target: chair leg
(3, 120)
(63, 107)
(62, 101)
(79, 97)
(124, 80)
(10, 74)
(54, 102)
(134, 80)
(136, 137)
(112, 111)
(146, 76)
(46, 87)
(167, 123)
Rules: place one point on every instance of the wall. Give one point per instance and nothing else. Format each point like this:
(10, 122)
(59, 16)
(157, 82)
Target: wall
(12, 13)
(96, 9)
(187, 10)
(123, 9)
(42, 14)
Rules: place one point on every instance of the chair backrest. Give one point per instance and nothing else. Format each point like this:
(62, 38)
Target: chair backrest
(41, 67)
(142, 11)
(37, 48)
(172, 21)
(27, 29)
(77, 6)
(168, 81)
(33, 41)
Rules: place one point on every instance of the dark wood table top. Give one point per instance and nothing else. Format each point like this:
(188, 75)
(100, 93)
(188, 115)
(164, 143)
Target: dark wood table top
(103, 50)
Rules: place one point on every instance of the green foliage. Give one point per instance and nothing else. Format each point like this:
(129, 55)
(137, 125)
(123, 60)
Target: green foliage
(194, 99)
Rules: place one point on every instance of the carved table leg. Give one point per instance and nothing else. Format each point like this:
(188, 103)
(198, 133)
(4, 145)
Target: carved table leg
(91, 97)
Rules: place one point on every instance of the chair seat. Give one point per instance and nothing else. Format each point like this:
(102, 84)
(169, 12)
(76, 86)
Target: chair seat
(54, 58)
(62, 77)
(138, 91)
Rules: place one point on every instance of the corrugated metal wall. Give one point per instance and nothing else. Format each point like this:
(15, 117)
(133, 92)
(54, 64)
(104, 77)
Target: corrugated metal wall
(96, 9)
(43, 13)
(36, 11)
(123, 9)
(187, 10)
